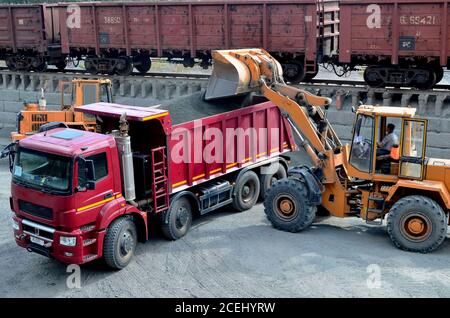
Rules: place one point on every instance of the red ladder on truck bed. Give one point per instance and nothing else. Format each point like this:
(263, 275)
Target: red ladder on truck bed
(159, 173)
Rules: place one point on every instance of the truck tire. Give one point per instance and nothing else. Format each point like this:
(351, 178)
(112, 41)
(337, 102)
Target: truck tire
(120, 243)
(287, 207)
(417, 224)
(179, 219)
(246, 191)
(266, 180)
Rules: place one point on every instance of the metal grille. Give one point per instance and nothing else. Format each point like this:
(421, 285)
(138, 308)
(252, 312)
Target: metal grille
(36, 210)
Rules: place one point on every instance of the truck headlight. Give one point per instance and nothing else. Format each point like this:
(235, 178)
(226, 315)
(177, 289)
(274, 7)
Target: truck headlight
(67, 240)
(15, 225)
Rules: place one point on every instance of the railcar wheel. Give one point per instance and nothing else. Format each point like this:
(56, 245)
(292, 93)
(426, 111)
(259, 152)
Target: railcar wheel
(144, 64)
(439, 71)
(120, 243)
(287, 207)
(372, 77)
(61, 65)
(426, 83)
(179, 219)
(247, 190)
(417, 224)
(90, 67)
(293, 71)
(124, 67)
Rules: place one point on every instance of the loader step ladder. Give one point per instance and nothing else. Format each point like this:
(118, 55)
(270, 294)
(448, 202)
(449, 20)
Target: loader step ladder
(378, 211)
(160, 188)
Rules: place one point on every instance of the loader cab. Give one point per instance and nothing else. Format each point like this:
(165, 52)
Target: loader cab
(80, 92)
(388, 143)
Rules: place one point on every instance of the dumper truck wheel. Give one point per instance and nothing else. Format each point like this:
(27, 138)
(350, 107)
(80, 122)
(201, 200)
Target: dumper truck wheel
(246, 191)
(267, 180)
(177, 220)
(417, 224)
(120, 243)
(287, 207)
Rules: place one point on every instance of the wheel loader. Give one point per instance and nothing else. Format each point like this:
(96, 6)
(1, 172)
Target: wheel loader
(404, 186)
(81, 91)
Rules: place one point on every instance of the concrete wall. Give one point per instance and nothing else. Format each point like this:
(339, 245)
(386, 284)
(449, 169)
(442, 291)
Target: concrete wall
(148, 91)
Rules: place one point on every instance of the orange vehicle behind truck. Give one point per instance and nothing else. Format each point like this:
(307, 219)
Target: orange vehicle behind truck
(81, 91)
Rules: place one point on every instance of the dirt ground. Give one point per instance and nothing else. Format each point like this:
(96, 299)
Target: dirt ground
(228, 254)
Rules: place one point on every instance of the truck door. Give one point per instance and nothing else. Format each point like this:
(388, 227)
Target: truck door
(92, 200)
(412, 148)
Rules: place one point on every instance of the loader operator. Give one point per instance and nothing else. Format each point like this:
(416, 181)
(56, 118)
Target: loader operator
(390, 140)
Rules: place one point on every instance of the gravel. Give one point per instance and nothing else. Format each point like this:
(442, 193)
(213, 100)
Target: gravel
(193, 106)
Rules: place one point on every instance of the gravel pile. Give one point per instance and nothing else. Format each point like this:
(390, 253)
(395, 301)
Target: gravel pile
(191, 107)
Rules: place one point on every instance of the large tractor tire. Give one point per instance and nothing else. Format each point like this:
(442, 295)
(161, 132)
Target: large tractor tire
(287, 207)
(417, 224)
(247, 190)
(267, 180)
(120, 243)
(177, 220)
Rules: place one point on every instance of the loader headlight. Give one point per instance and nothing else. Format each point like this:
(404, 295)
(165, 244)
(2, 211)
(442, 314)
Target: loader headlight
(67, 240)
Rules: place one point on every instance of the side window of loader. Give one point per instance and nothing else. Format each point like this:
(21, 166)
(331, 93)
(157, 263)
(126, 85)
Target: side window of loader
(413, 148)
(361, 154)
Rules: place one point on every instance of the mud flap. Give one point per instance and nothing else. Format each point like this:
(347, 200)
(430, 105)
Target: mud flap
(307, 176)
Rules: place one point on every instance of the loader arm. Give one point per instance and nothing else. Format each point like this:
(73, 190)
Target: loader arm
(254, 70)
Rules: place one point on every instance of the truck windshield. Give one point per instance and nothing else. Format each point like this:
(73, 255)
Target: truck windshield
(44, 171)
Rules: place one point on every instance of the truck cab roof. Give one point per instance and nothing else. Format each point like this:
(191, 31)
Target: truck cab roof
(67, 141)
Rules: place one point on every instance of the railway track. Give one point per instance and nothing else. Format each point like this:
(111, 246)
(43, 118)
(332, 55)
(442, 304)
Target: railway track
(327, 83)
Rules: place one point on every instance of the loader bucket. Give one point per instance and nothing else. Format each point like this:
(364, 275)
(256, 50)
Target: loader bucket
(229, 77)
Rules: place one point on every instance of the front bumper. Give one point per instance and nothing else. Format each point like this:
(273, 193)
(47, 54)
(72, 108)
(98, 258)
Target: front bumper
(44, 240)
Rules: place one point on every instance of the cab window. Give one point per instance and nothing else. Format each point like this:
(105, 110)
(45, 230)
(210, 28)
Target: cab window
(361, 154)
(100, 168)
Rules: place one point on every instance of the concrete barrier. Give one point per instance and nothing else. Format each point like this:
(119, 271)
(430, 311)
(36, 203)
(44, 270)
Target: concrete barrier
(16, 89)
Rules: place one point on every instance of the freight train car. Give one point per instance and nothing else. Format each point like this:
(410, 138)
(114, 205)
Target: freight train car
(403, 42)
(29, 37)
(114, 37)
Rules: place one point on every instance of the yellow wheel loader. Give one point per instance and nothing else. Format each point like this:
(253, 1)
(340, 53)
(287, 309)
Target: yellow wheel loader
(364, 179)
(81, 91)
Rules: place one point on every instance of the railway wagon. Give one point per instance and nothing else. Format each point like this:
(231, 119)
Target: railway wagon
(29, 37)
(402, 42)
(114, 37)
(132, 171)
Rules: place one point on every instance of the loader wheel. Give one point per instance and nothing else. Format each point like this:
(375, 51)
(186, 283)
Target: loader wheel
(267, 180)
(417, 224)
(287, 207)
(120, 243)
(246, 191)
(177, 220)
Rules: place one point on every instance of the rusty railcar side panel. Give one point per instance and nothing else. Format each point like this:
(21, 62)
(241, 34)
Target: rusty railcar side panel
(194, 27)
(22, 28)
(394, 29)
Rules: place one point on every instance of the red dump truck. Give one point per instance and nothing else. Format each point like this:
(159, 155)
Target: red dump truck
(79, 196)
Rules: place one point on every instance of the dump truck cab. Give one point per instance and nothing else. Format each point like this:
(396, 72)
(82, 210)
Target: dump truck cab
(61, 180)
